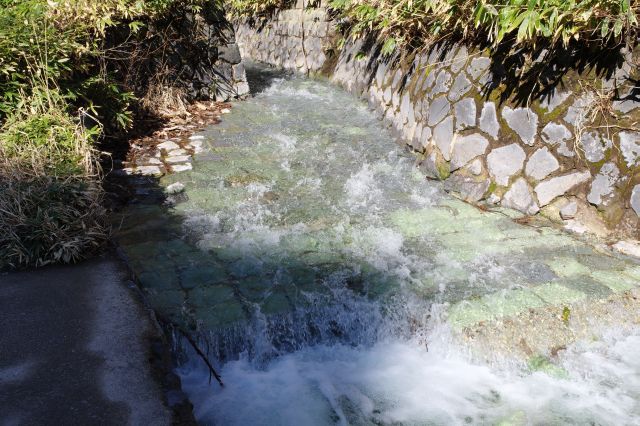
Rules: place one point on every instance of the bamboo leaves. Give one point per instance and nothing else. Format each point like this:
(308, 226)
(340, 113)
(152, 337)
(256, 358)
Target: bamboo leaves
(527, 21)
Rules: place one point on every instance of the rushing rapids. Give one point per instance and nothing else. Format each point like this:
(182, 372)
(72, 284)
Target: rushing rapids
(325, 275)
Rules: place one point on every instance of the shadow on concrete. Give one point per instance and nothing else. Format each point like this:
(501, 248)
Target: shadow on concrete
(48, 373)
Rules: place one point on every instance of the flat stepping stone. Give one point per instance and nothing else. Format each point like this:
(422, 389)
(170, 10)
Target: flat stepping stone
(181, 167)
(149, 162)
(168, 146)
(144, 171)
(177, 152)
(178, 159)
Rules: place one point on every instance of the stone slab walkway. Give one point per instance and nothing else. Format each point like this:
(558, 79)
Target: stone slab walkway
(74, 349)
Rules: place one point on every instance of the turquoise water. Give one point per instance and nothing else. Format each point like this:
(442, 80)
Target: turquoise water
(324, 274)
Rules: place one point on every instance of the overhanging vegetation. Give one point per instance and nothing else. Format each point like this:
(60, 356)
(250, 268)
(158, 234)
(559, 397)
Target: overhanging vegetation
(58, 97)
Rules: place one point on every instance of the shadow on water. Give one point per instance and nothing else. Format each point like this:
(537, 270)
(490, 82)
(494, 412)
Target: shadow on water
(260, 78)
(261, 301)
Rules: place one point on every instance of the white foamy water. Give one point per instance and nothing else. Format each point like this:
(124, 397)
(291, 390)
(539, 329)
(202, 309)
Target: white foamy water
(287, 143)
(278, 87)
(362, 187)
(404, 383)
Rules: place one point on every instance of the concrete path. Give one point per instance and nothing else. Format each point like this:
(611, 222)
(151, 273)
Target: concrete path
(74, 349)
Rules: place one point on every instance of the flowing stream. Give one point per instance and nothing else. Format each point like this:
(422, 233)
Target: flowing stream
(327, 277)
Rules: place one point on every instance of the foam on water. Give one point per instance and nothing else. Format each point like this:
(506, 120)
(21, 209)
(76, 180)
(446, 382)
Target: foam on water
(361, 187)
(281, 89)
(396, 382)
(287, 143)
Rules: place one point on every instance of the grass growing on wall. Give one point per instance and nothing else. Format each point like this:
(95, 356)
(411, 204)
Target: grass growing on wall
(516, 24)
(533, 44)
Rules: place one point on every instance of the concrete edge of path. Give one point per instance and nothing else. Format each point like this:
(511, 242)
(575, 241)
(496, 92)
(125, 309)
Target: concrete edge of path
(148, 338)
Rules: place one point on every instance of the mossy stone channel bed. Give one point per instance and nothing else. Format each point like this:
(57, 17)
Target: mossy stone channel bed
(302, 225)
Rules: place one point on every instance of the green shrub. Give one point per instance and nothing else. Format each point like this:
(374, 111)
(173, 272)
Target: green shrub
(254, 9)
(50, 194)
(45, 144)
(41, 139)
(47, 139)
(522, 22)
(40, 41)
(65, 45)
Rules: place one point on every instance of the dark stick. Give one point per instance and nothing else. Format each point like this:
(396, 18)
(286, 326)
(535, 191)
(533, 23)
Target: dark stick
(212, 371)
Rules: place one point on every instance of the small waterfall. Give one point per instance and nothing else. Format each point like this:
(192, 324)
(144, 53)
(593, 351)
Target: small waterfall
(338, 317)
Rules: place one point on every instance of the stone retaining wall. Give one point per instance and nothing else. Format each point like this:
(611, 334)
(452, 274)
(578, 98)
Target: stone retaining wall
(544, 157)
(195, 53)
(299, 39)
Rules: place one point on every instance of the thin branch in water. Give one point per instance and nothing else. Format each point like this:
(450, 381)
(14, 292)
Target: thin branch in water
(212, 371)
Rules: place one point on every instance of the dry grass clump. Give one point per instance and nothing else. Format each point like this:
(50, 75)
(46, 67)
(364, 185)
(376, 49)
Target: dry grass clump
(164, 99)
(47, 220)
